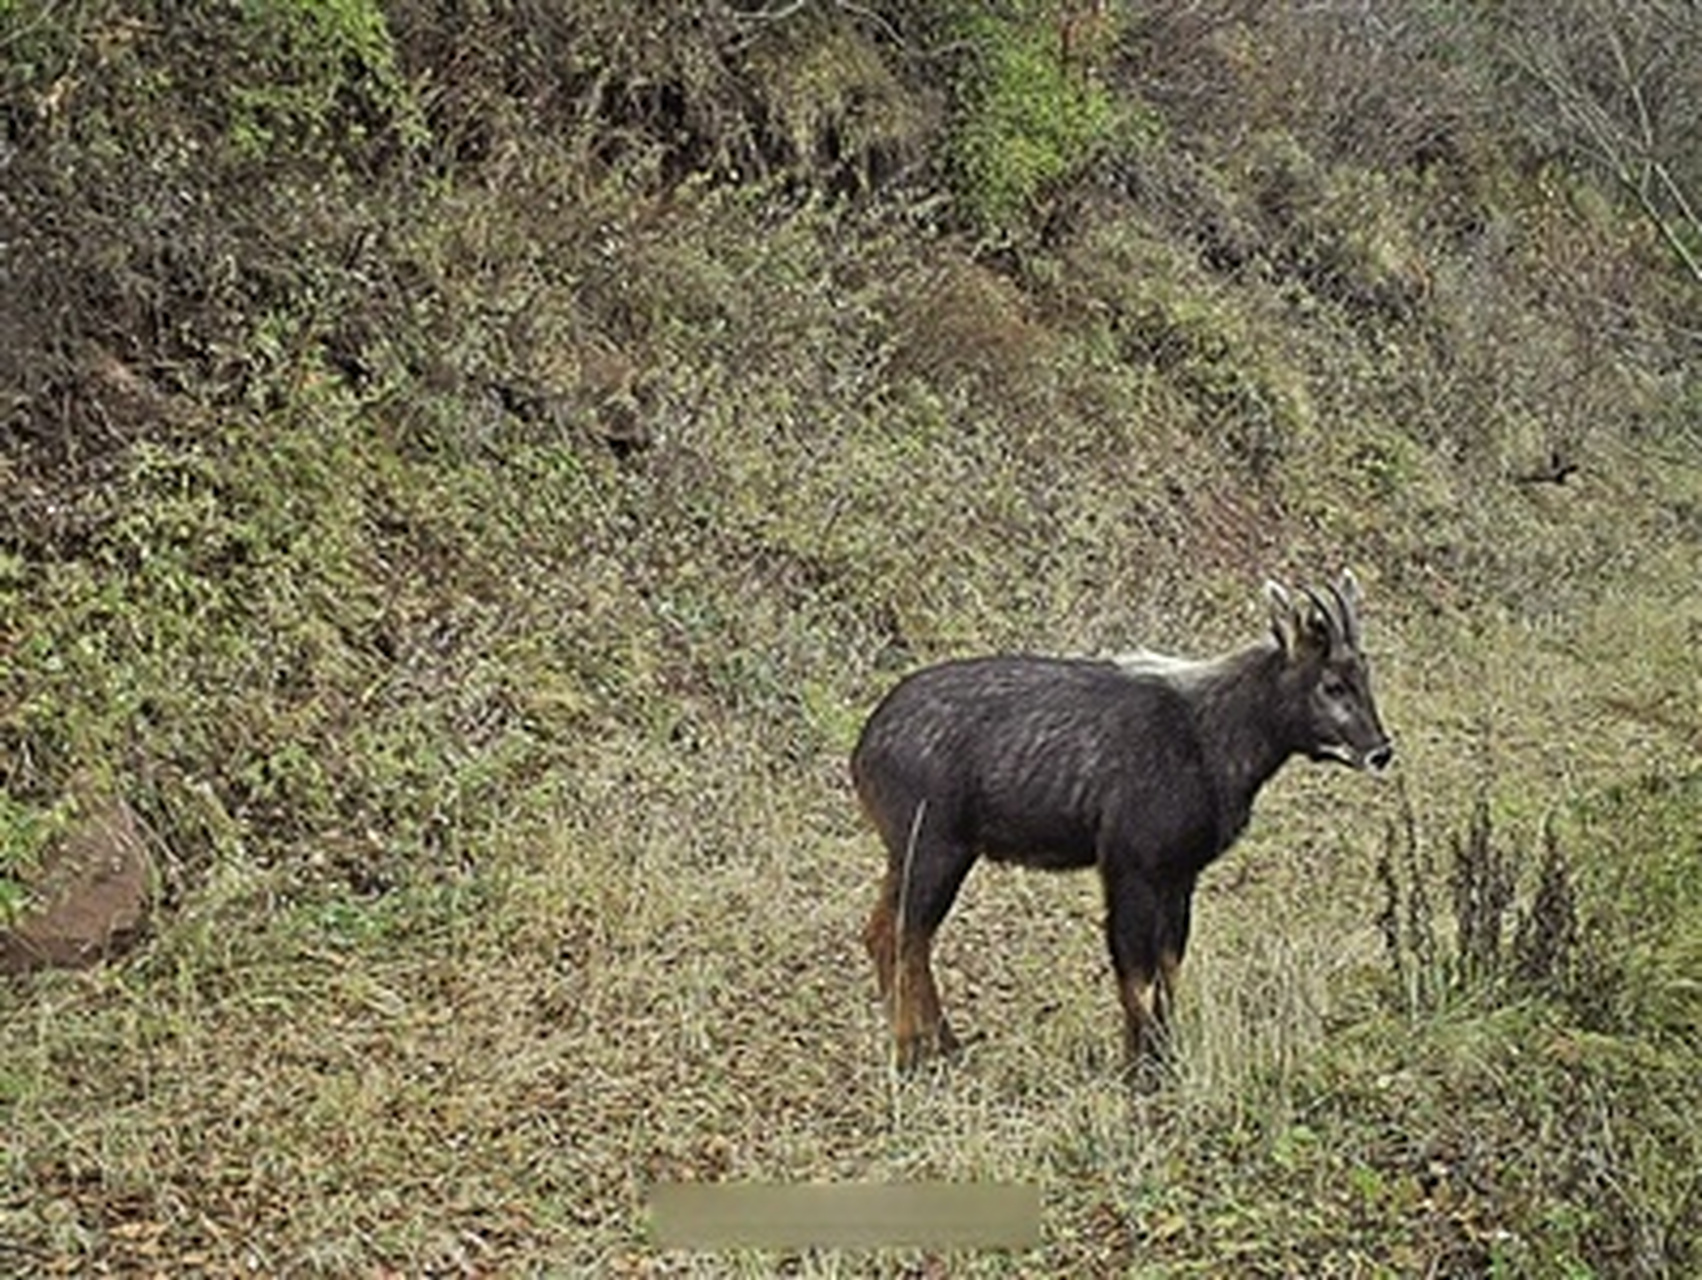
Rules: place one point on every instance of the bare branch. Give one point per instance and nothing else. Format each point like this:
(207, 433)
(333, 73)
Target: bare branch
(1629, 127)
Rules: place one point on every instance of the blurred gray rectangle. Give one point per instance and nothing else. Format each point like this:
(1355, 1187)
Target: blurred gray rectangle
(869, 1215)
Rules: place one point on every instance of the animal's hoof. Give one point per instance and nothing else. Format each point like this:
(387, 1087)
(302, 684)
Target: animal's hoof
(1148, 1063)
(1147, 1076)
(1151, 1067)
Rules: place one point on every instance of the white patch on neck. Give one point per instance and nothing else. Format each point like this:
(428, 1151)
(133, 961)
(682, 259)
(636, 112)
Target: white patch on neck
(1181, 673)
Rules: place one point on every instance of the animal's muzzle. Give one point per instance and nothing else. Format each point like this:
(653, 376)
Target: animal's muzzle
(1378, 758)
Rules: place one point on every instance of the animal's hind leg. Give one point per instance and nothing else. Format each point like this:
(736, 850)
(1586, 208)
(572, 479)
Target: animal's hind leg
(881, 934)
(921, 883)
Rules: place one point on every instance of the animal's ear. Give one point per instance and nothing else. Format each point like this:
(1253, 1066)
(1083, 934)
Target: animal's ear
(1285, 623)
(1347, 586)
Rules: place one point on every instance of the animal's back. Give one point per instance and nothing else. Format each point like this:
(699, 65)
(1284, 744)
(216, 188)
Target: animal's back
(985, 705)
(1021, 755)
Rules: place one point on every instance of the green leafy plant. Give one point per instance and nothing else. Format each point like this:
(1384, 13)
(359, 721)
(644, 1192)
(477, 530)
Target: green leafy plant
(25, 831)
(1027, 120)
(317, 75)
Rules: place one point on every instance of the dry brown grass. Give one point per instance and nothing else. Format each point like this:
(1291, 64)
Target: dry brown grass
(657, 976)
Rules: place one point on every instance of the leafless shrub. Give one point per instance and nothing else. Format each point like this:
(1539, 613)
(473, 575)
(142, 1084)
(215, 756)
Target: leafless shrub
(1405, 920)
(1495, 942)
(1187, 58)
(1617, 89)
(1547, 936)
(1481, 878)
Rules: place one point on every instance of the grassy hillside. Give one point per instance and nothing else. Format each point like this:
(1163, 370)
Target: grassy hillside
(469, 470)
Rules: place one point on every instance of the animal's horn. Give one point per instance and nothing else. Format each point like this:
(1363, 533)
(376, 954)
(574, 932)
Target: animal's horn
(1285, 624)
(1332, 624)
(1345, 594)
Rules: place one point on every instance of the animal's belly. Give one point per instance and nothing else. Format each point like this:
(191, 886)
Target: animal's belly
(1042, 857)
(1038, 841)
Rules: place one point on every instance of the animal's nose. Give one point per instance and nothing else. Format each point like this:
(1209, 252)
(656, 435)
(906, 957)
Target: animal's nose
(1378, 757)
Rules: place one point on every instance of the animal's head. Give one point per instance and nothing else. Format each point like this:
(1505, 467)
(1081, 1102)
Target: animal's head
(1327, 682)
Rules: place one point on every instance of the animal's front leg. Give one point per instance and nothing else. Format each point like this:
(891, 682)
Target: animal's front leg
(1175, 907)
(1144, 968)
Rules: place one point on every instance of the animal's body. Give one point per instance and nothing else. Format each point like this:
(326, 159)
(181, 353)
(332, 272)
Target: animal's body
(1144, 766)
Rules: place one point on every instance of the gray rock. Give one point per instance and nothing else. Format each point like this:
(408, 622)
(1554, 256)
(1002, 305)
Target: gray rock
(93, 896)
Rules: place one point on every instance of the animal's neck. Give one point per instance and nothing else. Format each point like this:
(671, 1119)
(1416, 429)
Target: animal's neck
(1235, 704)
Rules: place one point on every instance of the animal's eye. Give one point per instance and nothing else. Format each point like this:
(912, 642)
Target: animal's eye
(1333, 686)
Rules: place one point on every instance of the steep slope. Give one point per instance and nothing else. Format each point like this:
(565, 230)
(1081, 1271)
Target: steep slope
(469, 474)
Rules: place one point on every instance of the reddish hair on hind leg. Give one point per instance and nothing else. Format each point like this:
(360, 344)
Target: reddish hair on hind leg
(880, 935)
(920, 1030)
(904, 976)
